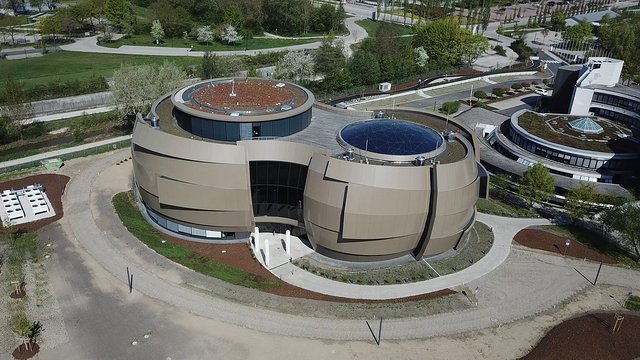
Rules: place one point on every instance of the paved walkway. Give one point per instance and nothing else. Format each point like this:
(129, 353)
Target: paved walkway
(70, 114)
(525, 284)
(57, 153)
(89, 44)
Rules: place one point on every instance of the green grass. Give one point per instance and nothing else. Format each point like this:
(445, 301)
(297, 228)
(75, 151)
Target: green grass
(633, 303)
(495, 206)
(140, 228)
(246, 44)
(65, 66)
(372, 27)
(593, 240)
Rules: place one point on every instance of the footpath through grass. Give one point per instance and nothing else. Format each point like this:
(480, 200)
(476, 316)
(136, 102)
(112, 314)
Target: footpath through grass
(65, 66)
(246, 44)
(130, 216)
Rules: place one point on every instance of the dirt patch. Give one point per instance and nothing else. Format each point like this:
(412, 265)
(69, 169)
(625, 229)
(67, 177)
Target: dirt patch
(53, 185)
(16, 295)
(590, 337)
(543, 240)
(21, 352)
(241, 257)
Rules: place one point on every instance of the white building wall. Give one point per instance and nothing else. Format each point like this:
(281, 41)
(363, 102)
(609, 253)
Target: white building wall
(581, 101)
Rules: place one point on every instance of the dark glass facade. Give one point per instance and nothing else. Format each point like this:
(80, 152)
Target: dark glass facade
(277, 188)
(618, 102)
(566, 157)
(234, 131)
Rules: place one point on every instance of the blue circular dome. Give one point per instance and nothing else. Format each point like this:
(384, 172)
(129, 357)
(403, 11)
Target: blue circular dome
(391, 137)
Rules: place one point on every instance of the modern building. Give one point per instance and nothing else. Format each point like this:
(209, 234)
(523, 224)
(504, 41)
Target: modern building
(591, 131)
(215, 159)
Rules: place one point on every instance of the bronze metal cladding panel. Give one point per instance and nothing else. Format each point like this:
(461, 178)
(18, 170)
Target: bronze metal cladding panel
(198, 197)
(379, 247)
(440, 245)
(221, 176)
(277, 150)
(183, 148)
(323, 199)
(455, 201)
(213, 220)
(378, 213)
(389, 177)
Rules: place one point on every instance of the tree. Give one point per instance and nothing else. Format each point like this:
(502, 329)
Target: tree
(447, 43)
(230, 35)
(134, 87)
(421, 57)
(450, 107)
(480, 94)
(578, 33)
(364, 68)
(214, 66)
(624, 220)
(329, 58)
(175, 20)
(558, 21)
(536, 184)
(233, 16)
(500, 184)
(295, 66)
(204, 34)
(156, 30)
(621, 37)
(119, 13)
(579, 201)
(50, 26)
(16, 107)
(285, 16)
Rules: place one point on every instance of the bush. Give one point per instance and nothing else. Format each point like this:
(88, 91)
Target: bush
(535, 83)
(545, 81)
(54, 90)
(516, 86)
(480, 94)
(450, 107)
(500, 50)
(525, 84)
(498, 92)
(523, 51)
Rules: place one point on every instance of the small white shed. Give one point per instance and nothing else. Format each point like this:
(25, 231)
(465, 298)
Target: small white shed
(384, 87)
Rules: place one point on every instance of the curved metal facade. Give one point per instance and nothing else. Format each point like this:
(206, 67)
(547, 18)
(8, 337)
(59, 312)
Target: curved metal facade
(349, 210)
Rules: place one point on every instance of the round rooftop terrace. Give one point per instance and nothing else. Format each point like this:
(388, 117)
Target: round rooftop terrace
(391, 140)
(241, 97)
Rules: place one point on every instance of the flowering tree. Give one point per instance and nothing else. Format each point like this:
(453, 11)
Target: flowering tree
(204, 34)
(421, 57)
(156, 30)
(230, 35)
(295, 66)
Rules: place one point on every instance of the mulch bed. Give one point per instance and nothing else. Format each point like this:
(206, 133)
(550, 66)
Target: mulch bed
(241, 257)
(21, 352)
(54, 186)
(590, 337)
(544, 240)
(15, 295)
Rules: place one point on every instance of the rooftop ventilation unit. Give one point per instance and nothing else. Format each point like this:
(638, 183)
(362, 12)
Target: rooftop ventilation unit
(451, 136)
(420, 161)
(350, 154)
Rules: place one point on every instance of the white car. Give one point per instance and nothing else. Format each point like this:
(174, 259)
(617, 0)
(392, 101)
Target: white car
(543, 92)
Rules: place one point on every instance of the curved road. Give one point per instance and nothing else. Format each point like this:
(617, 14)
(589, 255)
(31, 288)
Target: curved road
(525, 284)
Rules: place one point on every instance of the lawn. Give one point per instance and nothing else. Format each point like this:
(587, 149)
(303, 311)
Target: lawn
(498, 207)
(65, 66)
(140, 228)
(592, 240)
(247, 44)
(372, 27)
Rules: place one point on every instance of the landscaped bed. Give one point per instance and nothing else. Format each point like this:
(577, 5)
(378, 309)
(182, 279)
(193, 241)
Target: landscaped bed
(590, 337)
(233, 263)
(584, 244)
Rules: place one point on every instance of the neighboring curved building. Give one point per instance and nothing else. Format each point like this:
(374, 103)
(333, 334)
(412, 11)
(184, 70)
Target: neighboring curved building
(217, 158)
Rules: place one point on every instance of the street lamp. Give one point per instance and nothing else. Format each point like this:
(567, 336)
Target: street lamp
(566, 245)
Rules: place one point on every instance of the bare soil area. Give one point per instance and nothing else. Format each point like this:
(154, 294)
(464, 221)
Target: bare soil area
(543, 240)
(590, 337)
(53, 185)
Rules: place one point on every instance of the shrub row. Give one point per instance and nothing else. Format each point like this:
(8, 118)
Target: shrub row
(58, 89)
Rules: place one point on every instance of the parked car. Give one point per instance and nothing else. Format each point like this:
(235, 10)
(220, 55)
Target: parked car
(543, 92)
